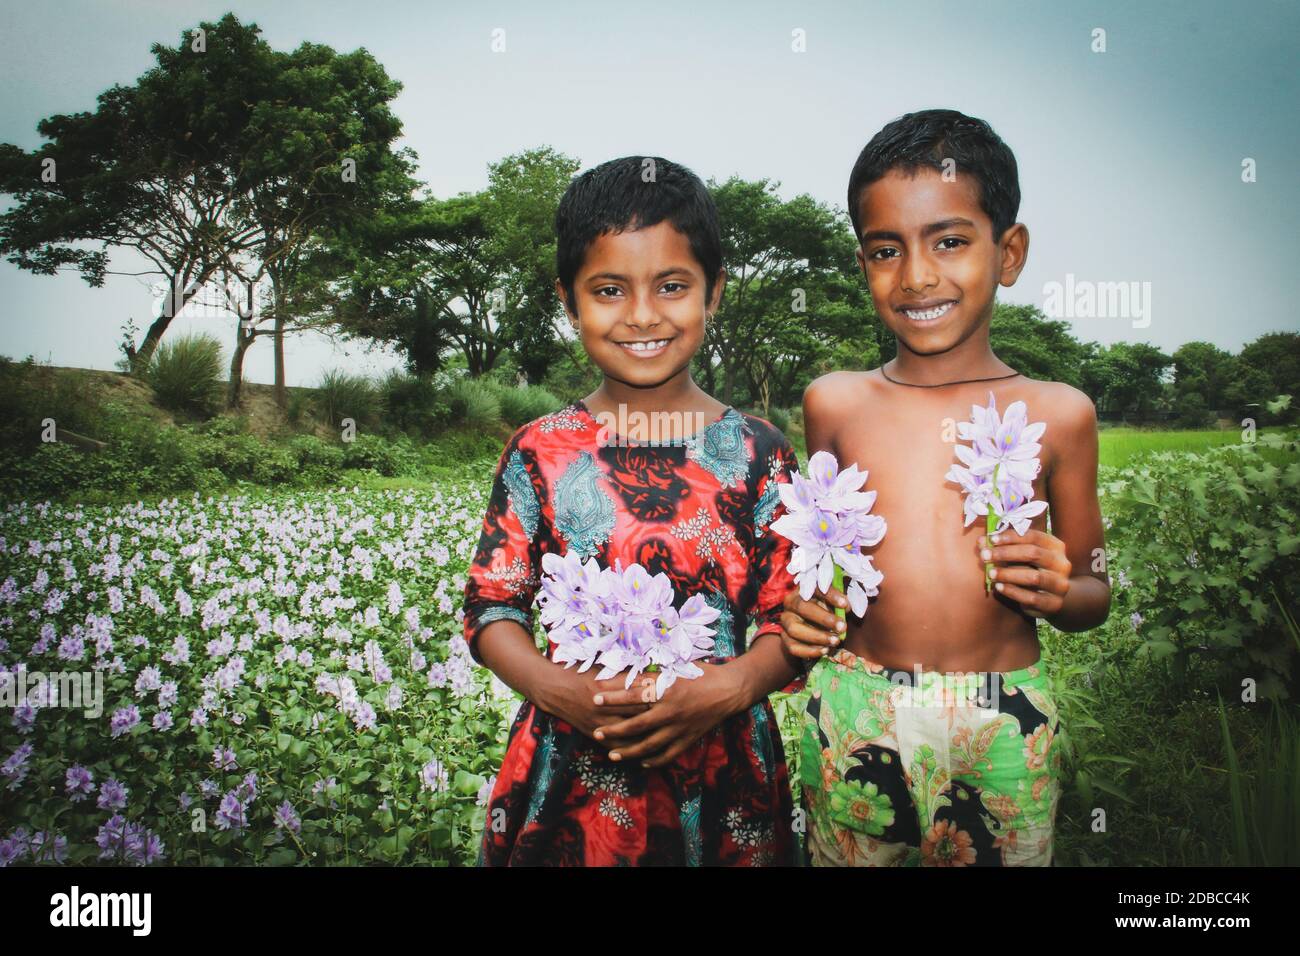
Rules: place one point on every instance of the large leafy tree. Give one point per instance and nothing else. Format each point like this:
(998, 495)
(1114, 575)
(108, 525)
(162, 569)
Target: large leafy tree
(224, 161)
(471, 274)
(1126, 378)
(791, 293)
(1037, 346)
(147, 171)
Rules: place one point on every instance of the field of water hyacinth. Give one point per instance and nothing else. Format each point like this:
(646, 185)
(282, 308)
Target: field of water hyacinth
(283, 681)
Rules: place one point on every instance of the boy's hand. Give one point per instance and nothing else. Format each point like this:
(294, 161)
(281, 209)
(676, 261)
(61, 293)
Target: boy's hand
(809, 629)
(1030, 569)
(687, 711)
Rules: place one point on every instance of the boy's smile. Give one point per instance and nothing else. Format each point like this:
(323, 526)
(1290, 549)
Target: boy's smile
(640, 304)
(930, 259)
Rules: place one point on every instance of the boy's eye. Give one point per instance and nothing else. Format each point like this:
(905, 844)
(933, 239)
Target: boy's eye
(955, 240)
(881, 253)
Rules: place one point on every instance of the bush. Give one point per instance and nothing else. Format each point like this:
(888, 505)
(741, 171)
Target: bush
(780, 418)
(318, 461)
(1209, 545)
(186, 374)
(344, 395)
(413, 403)
(376, 453)
(525, 403)
(473, 403)
(32, 393)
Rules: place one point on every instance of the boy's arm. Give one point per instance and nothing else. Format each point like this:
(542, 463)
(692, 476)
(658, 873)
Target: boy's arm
(1076, 520)
(1060, 582)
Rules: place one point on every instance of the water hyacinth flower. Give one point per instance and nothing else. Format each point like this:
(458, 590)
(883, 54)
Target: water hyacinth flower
(622, 618)
(828, 518)
(998, 469)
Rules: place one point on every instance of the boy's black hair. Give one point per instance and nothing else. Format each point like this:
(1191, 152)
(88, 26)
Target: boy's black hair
(635, 192)
(928, 138)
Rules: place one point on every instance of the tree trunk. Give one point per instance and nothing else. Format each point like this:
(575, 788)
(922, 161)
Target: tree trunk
(281, 389)
(144, 354)
(234, 389)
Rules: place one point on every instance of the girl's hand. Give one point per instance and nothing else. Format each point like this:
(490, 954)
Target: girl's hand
(687, 711)
(571, 696)
(810, 629)
(1030, 569)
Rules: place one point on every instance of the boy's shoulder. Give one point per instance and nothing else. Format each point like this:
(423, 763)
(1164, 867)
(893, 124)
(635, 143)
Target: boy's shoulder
(838, 391)
(1059, 402)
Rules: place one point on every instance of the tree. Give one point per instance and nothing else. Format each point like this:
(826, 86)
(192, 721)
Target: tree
(791, 290)
(471, 274)
(1273, 358)
(1126, 378)
(145, 172)
(1203, 369)
(1036, 346)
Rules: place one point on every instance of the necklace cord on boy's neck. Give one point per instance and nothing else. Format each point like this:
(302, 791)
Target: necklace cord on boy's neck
(965, 381)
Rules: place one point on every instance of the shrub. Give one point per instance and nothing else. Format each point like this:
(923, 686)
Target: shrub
(32, 393)
(413, 403)
(318, 461)
(525, 403)
(186, 374)
(344, 395)
(780, 418)
(373, 452)
(1209, 545)
(473, 403)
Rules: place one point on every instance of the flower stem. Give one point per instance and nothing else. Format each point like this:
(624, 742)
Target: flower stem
(838, 582)
(990, 526)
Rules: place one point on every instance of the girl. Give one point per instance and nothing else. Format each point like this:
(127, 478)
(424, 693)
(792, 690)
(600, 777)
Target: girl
(646, 469)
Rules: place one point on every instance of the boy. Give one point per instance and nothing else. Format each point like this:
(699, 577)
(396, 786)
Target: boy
(900, 766)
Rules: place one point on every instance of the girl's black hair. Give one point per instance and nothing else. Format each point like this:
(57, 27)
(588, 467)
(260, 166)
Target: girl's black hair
(926, 139)
(635, 192)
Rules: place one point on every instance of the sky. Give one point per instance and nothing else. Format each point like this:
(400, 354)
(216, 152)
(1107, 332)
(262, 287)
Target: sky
(1131, 158)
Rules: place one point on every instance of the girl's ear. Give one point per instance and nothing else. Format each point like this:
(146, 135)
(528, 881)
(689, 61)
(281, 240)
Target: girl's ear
(719, 284)
(564, 302)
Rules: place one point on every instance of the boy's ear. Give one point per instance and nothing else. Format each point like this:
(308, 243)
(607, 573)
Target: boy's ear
(862, 259)
(719, 284)
(564, 302)
(1015, 252)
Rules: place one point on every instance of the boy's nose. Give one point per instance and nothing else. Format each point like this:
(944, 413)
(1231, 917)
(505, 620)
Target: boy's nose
(918, 274)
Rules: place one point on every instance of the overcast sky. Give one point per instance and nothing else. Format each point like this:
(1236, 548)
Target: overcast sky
(1130, 159)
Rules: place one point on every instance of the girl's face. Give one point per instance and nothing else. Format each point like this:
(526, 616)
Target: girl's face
(640, 304)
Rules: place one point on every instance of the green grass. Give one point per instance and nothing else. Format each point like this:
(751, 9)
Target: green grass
(1118, 445)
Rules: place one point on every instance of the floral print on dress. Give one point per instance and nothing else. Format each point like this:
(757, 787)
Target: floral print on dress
(686, 510)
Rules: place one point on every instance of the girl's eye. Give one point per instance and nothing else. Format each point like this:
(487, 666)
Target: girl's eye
(673, 286)
(608, 288)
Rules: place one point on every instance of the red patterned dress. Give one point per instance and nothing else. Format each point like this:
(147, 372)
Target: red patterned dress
(698, 510)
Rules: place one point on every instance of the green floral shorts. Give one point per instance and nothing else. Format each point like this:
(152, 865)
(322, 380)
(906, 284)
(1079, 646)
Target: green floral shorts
(928, 769)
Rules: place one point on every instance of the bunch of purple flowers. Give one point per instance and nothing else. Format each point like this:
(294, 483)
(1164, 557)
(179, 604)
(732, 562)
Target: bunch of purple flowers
(998, 469)
(622, 618)
(829, 520)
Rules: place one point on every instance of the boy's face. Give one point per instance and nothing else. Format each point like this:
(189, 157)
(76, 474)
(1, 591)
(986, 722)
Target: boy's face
(928, 253)
(640, 304)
